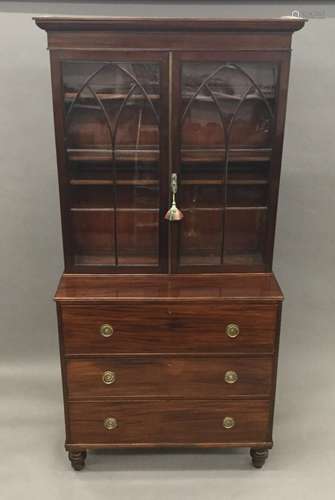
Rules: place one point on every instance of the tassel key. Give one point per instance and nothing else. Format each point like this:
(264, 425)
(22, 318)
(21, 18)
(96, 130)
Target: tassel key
(174, 214)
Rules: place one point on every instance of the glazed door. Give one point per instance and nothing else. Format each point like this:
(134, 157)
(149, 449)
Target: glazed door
(225, 106)
(115, 165)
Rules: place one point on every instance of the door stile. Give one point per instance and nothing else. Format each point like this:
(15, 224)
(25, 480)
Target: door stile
(164, 162)
(175, 141)
(63, 177)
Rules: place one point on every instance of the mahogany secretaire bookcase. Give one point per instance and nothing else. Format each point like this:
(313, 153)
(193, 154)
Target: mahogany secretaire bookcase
(169, 137)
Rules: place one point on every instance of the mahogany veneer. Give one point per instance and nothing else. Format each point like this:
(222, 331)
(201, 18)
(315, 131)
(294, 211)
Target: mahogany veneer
(171, 423)
(169, 137)
(169, 376)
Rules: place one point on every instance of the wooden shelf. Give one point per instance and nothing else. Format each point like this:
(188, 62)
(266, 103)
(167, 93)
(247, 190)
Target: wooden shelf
(151, 182)
(184, 209)
(109, 260)
(106, 155)
(111, 209)
(221, 209)
(111, 96)
(236, 181)
(186, 96)
(249, 259)
(189, 155)
(110, 182)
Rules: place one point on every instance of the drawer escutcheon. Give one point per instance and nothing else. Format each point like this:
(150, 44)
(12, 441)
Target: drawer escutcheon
(110, 423)
(232, 330)
(228, 422)
(108, 377)
(230, 377)
(106, 330)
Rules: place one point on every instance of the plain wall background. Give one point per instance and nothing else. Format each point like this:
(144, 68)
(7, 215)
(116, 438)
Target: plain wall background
(31, 251)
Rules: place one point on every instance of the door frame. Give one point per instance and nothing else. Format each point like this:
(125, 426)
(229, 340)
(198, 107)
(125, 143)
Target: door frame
(57, 57)
(282, 58)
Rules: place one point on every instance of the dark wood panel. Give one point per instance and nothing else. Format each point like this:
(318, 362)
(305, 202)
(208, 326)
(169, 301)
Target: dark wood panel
(169, 422)
(244, 232)
(100, 194)
(168, 328)
(168, 377)
(168, 41)
(93, 235)
(137, 237)
(207, 288)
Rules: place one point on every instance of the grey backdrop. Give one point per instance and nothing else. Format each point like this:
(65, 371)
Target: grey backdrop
(31, 420)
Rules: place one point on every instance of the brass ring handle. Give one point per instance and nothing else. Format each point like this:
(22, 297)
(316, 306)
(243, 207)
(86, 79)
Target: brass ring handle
(108, 377)
(110, 423)
(230, 377)
(228, 422)
(232, 330)
(106, 330)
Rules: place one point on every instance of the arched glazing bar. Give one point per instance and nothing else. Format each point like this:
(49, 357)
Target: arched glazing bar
(225, 170)
(226, 165)
(201, 86)
(221, 68)
(123, 70)
(228, 128)
(112, 131)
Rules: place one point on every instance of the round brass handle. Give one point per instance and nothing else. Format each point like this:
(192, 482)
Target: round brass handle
(108, 377)
(228, 422)
(106, 330)
(230, 377)
(110, 423)
(232, 330)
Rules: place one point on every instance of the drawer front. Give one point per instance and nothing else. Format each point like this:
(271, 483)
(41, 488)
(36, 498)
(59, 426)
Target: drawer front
(170, 422)
(169, 328)
(210, 378)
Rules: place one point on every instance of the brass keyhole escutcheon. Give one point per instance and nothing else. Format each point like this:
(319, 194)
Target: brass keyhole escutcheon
(108, 377)
(110, 423)
(228, 422)
(232, 330)
(106, 330)
(230, 377)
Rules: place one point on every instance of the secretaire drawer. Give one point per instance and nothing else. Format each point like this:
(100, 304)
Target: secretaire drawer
(168, 328)
(169, 421)
(166, 376)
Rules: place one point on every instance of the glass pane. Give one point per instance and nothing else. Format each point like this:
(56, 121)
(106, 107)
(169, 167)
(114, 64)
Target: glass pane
(227, 102)
(200, 237)
(112, 140)
(227, 123)
(244, 236)
(93, 237)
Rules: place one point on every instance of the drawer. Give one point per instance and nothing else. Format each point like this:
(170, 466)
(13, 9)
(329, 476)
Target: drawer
(170, 422)
(169, 328)
(167, 376)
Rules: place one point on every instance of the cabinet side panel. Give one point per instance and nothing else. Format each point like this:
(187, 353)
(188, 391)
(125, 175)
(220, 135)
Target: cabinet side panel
(274, 371)
(63, 371)
(57, 97)
(277, 158)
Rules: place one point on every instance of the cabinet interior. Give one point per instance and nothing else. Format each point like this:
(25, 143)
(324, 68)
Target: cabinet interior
(120, 152)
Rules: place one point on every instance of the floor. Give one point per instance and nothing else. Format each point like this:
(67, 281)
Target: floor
(35, 466)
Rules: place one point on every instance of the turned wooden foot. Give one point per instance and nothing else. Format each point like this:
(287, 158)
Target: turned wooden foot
(77, 459)
(259, 455)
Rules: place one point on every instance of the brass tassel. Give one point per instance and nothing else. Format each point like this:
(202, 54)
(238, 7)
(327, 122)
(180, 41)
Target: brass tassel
(174, 214)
